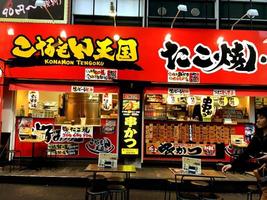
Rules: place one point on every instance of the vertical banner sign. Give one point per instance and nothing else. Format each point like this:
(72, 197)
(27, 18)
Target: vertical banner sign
(130, 142)
(207, 108)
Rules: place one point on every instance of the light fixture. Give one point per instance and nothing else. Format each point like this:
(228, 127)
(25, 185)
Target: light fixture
(251, 13)
(220, 40)
(112, 12)
(63, 34)
(10, 31)
(116, 37)
(168, 37)
(180, 8)
(41, 3)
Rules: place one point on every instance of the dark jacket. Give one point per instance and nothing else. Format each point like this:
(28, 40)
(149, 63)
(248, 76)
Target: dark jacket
(257, 145)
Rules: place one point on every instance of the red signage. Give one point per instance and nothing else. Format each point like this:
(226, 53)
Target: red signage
(185, 56)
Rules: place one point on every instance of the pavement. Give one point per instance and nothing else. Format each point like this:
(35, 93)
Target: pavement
(52, 192)
(146, 178)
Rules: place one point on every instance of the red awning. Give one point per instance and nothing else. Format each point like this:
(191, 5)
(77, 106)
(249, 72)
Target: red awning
(59, 88)
(164, 90)
(208, 91)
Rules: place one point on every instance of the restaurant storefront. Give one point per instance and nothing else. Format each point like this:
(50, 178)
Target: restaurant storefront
(146, 93)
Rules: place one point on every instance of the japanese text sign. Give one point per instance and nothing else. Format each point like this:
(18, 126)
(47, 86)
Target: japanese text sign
(93, 54)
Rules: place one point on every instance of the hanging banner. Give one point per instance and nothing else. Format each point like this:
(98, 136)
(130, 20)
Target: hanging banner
(207, 108)
(33, 98)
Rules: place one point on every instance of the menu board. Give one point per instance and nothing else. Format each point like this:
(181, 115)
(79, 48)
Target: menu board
(63, 149)
(108, 160)
(191, 165)
(55, 11)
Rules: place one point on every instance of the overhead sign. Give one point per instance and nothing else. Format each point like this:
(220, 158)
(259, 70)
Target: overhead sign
(93, 54)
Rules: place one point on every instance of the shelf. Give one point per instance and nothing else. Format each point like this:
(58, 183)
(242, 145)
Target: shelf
(189, 121)
(155, 118)
(94, 125)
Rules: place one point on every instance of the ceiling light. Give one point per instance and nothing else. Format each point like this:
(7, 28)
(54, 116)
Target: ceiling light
(10, 31)
(63, 34)
(220, 40)
(180, 8)
(250, 13)
(116, 37)
(168, 37)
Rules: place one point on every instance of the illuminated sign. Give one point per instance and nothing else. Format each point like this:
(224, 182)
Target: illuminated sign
(75, 52)
(131, 128)
(240, 57)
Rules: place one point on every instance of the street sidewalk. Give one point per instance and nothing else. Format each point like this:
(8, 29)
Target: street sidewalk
(147, 177)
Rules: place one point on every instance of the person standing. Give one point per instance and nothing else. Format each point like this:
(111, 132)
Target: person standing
(257, 149)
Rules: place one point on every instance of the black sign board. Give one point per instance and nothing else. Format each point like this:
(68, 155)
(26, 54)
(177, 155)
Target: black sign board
(52, 11)
(130, 126)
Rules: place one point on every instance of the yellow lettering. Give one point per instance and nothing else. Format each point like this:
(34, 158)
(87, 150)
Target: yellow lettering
(84, 48)
(104, 50)
(23, 47)
(127, 50)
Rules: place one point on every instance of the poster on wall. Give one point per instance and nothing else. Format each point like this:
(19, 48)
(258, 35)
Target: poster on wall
(131, 125)
(108, 126)
(63, 149)
(48, 11)
(27, 133)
